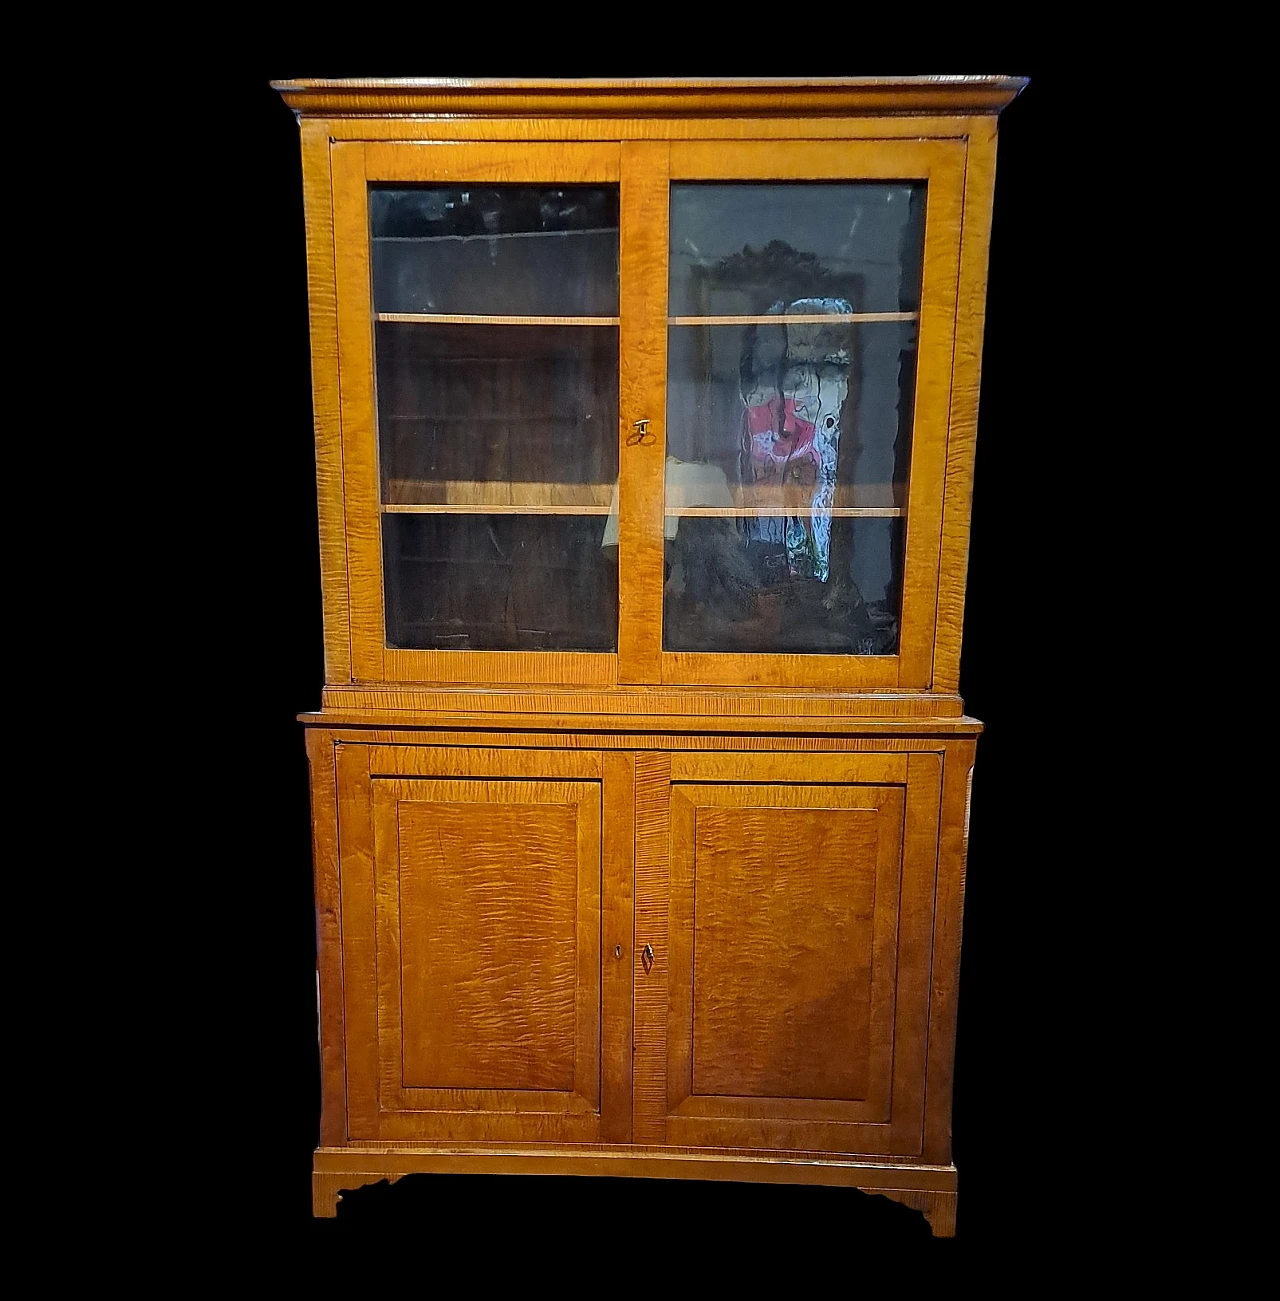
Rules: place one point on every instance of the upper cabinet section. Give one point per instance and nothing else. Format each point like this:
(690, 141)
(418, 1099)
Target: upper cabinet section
(628, 396)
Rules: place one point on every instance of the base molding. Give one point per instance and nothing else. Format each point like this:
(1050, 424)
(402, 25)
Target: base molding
(930, 1189)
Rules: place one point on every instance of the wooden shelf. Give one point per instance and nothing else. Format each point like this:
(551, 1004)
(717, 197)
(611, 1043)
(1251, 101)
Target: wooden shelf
(430, 318)
(864, 500)
(780, 318)
(755, 512)
(504, 418)
(462, 508)
(488, 237)
(496, 497)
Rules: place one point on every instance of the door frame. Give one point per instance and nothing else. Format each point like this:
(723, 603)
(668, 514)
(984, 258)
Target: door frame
(354, 166)
(663, 1114)
(599, 1107)
(941, 165)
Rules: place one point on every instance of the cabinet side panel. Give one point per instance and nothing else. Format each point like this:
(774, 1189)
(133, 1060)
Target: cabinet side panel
(355, 839)
(324, 849)
(958, 499)
(957, 781)
(325, 400)
(943, 229)
(653, 797)
(915, 943)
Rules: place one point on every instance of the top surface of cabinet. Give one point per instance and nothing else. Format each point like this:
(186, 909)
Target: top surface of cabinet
(377, 96)
(601, 407)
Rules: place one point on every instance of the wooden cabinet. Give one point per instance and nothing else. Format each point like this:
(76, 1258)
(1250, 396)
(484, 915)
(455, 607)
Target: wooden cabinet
(645, 416)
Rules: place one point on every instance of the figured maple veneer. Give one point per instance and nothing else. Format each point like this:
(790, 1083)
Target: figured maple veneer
(786, 890)
(486, 938)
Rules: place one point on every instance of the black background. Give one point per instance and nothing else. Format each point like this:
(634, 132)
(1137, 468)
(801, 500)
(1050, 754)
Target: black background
(1012, 1069)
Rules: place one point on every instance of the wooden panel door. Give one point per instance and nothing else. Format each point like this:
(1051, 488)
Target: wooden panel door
(474, 945)
(787, 900)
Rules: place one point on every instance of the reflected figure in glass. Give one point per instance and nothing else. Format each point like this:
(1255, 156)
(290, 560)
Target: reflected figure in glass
(795, 378)
(791, 375)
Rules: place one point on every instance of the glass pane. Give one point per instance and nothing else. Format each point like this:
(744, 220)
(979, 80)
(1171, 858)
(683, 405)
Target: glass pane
(789, 423)
(498, 442)
(499, 582)
(740, 248)
(514, 250)
(497, 414)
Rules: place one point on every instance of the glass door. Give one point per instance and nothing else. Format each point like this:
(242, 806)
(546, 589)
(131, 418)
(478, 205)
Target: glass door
(810, 318)
(479, 345)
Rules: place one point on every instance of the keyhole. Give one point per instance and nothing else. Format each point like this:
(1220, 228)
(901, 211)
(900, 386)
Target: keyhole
(617, 950)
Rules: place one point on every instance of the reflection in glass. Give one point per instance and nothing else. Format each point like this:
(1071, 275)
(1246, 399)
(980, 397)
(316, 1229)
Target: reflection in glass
(515, 250)
(740, 248)
(789, 426)
(729, 591)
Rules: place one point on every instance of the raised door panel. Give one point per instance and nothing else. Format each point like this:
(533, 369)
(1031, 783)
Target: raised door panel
(473, 945)
(790, 892)
(789, 986)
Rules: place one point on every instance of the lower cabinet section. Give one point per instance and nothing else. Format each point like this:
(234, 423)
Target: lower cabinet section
(703, 963)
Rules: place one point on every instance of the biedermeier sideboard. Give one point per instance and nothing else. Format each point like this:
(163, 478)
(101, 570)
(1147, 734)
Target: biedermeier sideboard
(645, 417)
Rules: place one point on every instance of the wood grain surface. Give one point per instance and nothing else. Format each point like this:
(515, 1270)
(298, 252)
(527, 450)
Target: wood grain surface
(979, 188)
(328, 897)
(642, 279)
(774, 710)
(782, 890)
(926, 1188)
(948, 917)
(326, 400)
(487, 948)
(652, 857)
(363, 520)
(535, 130)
